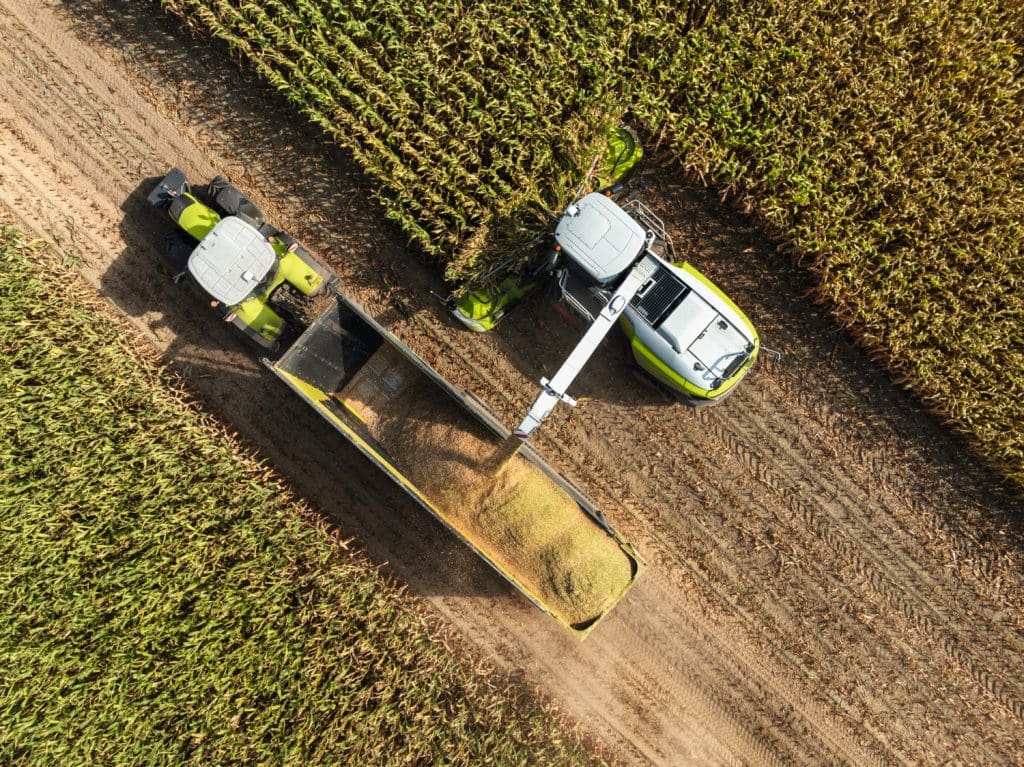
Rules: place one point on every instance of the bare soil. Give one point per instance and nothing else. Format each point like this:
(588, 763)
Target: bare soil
(832, 579)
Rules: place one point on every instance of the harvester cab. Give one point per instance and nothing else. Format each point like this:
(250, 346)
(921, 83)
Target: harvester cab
(613, 261)
(683, 330)
(251, 270)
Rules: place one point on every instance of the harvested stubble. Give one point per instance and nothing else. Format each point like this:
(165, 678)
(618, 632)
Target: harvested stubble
(529, 526)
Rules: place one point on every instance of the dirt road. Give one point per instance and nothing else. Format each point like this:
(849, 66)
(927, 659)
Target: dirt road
(831, 580)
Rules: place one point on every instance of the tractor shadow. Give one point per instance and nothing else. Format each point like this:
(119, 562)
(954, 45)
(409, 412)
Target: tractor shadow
(218, 366)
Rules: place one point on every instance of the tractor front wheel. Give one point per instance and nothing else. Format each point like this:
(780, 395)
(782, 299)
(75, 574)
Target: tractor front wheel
(229, 200)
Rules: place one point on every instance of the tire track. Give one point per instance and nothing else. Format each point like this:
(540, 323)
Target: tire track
(665, 543)
(735, 445)
(902, 510)
(877, 566)
(98, 162)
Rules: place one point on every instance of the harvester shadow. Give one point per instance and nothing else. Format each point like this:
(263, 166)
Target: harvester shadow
(541, 333)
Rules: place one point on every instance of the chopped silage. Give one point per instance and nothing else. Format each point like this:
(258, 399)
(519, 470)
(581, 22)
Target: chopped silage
(523, 521)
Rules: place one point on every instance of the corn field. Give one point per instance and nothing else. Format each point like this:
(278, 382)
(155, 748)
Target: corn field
(165, 601)
(884, 143)
(881, 142)
(474, 117)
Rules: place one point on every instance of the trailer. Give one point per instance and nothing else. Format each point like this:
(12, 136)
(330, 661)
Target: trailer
(440, 444)
(353, 371)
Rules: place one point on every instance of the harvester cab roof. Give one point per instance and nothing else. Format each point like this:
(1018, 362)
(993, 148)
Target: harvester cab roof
(601, 238)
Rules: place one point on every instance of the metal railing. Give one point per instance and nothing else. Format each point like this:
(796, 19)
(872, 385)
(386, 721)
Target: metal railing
(653, 223)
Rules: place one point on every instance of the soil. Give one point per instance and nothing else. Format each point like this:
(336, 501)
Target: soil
(831, 580)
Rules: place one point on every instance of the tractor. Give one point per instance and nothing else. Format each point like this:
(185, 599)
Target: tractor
(254, 273)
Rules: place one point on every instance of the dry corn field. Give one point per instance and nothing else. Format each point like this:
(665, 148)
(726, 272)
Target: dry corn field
(831, 578)
(881, 143)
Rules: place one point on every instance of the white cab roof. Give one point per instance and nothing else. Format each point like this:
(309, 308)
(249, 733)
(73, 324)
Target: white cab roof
(600, 236)
(231, 260)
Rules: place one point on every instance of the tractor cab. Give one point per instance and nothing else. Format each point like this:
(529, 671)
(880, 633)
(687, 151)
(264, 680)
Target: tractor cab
(252, 271)
(232, 260)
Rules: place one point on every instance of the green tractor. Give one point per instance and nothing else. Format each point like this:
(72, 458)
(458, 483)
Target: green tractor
(254, 273)
(613, 260)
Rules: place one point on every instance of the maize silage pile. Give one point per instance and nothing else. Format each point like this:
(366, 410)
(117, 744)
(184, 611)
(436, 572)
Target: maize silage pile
(524, 522)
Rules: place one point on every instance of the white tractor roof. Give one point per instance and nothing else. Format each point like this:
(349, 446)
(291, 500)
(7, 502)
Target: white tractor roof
(600, 236)
(231, 260)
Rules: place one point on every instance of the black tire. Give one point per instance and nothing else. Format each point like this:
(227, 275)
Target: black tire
(228, 200)
(645, 377)
(176, 247)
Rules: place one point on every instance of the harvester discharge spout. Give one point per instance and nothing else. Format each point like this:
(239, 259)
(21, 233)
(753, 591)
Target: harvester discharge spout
(554, 391)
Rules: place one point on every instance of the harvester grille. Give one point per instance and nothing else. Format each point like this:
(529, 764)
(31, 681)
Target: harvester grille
(660, 297)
